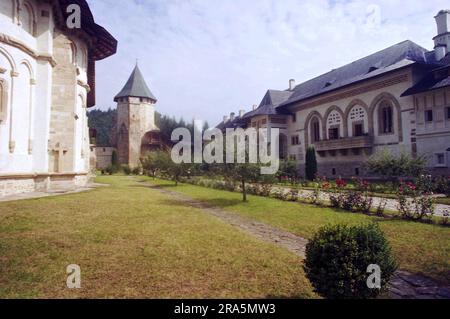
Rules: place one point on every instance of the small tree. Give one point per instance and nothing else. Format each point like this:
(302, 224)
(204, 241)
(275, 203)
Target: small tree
(242, 174)
(154, 162)
(388, 166)
(311, 163)
(338, 258)
(114, 159)
(288, 169)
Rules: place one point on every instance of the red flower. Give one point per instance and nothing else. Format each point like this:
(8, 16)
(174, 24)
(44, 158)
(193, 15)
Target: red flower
(341, 183)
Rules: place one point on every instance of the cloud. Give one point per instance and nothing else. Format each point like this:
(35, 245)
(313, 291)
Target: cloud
(203, 59)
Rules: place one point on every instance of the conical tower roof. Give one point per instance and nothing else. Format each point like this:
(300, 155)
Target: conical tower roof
(136, 87)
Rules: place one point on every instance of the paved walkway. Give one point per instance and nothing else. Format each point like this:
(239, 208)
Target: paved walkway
(54, 192)
(403, 285)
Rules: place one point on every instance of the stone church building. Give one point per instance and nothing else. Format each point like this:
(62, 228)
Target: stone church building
(47, 82)
(396, 99)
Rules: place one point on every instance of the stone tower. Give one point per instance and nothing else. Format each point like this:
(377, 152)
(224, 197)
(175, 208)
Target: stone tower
(135, 118)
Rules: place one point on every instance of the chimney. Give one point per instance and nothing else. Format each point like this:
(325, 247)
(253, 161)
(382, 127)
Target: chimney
(440, 52)
(254, 107)
(443, 29)
(232, 116)
(241, 113)
(291, 85)
(225, 118)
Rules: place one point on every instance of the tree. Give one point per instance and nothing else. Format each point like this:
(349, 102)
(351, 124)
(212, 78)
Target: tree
(154, 162)
(386, 165)
(104, 123)
(311, 163)
(288, 169)
(114, 159)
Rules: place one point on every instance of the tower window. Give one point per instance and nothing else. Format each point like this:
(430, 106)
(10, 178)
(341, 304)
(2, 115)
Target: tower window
(357, 171)
(447, 113)
(333, 171)
(294, 118)
(295, 140)
(429, 116)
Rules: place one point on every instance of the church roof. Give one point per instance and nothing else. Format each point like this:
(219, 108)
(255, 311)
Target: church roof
(136, 87)
(105, 44)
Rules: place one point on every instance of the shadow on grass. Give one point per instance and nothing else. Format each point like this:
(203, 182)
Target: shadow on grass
(212, 203)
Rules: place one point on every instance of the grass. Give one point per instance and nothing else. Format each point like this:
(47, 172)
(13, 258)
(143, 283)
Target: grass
(419, 248)
(132, 241)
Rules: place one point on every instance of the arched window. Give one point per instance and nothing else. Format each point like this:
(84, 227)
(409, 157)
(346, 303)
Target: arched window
(334, 121)
(315, 130)
(73, 53)
(27, 18)
(386, 118)
(357, 120)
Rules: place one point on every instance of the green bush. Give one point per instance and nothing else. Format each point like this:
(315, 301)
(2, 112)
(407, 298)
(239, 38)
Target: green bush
(311, 163)
(111, 169)
(136, 171)
(338, 256)
(126, 169)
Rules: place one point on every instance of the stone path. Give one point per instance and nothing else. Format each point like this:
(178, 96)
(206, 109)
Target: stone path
(53, 192)
(403, 285)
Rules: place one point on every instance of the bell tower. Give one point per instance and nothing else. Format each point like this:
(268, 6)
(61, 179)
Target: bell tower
(135, 117)
(442, 40)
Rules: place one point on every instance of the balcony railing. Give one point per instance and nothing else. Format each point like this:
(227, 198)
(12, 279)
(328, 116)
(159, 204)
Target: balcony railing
(344, 143)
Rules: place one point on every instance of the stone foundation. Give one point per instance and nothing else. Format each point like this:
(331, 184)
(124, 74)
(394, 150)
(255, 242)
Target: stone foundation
(19, 184)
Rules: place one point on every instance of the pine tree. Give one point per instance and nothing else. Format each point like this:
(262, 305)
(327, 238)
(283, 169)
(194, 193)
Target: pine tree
(311, 163)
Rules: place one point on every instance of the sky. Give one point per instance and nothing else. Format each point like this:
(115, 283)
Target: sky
(204, 59)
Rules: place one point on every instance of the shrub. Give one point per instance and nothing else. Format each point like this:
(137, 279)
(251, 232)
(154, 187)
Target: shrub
(126, 169)
(387, 165)
(338, 256)
(111, 169)
(445, 217)
(442, 185)
(413, 203)
(293, 195)
(381, 207)
(136, 171)
(311, 163)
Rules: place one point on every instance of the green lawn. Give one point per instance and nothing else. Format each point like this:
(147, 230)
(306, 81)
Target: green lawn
(419, 248)
(132, 241)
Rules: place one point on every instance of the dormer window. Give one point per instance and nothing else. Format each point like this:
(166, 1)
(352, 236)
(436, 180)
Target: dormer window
(372, 69)
(328, 84)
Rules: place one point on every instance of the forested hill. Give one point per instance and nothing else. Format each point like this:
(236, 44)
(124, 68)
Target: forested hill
(104, 122)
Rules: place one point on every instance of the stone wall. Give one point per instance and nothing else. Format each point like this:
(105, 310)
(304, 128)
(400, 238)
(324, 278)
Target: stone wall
(104, 156)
